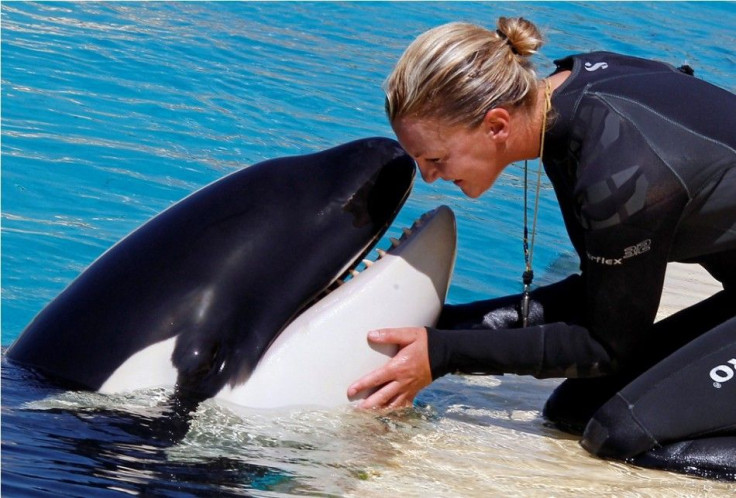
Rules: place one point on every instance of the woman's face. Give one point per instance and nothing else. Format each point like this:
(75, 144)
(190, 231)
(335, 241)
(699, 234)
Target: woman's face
(467, 157)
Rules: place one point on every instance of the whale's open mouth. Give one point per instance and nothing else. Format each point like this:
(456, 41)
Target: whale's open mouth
(374, 254)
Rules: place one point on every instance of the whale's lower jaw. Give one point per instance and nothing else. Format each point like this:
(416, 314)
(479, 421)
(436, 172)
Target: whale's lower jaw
(318, 355)
(315, 359)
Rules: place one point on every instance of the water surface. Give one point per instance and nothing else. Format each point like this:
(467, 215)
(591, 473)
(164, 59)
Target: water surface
(113, 111)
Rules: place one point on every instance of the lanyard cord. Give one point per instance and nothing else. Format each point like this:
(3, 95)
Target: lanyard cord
(528, 274)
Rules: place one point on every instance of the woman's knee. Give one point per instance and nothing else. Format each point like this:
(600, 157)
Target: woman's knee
(573, 403)
(615, 432)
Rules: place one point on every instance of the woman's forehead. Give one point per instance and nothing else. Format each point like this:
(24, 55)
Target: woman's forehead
(418, 136)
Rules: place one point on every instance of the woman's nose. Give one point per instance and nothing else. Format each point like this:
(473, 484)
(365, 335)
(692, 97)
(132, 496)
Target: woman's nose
(429, 172)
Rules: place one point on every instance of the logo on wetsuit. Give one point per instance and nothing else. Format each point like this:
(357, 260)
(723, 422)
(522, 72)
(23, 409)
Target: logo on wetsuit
(629, 252)
(590, 67)
(723, 373)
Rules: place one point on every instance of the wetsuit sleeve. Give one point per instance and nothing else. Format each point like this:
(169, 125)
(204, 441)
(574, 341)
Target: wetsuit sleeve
(550, 350)
(486, 336)
(557, 302)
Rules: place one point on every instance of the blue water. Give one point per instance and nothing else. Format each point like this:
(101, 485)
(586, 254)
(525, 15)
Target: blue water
(113, 111)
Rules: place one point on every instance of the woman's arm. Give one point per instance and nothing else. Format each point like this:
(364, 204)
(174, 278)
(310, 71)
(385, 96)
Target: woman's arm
(552, 350)
(558, 302)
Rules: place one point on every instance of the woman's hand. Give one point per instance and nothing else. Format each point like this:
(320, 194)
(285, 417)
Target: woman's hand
(403, 376)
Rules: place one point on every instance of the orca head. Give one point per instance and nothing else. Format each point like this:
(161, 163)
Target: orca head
(316, 217)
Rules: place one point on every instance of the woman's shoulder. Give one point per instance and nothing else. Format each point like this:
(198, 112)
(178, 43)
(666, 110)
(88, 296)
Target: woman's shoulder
(600, 66)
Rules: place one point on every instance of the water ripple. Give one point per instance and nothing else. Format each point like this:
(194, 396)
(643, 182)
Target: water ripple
(112, 111)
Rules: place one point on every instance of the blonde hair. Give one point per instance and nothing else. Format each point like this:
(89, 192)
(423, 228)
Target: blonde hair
(458, 71)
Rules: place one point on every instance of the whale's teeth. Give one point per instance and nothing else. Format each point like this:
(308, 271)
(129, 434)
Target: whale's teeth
(407, 231)
(368, 263)
(381, 253)
(394, 242)
(354, 273)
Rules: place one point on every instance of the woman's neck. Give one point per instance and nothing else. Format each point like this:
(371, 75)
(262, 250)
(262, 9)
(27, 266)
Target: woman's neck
(531, 122)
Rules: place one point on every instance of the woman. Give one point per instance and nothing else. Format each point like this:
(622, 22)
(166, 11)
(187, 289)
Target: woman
(642, 157)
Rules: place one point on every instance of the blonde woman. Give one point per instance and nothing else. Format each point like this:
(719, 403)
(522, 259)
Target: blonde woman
(642, 157)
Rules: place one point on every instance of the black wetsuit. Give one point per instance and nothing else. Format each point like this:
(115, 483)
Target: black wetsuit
(642, 157)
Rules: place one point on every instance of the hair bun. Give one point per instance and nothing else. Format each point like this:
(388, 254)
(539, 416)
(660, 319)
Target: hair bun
(521, 35)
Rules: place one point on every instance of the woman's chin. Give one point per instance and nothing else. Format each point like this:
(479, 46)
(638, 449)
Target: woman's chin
(469, 190)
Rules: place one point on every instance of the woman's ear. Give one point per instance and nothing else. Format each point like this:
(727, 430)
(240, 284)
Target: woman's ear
(496, 124)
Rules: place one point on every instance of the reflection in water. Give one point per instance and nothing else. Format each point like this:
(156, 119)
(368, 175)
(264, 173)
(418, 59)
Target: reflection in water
(134, 443)
(467, 436)
(74, 441)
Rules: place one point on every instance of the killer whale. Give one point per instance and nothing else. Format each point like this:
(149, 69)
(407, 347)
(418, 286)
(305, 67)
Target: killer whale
(219, 274)
(316, 357)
